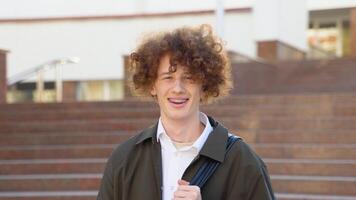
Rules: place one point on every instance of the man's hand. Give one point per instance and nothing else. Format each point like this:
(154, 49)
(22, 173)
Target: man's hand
(186, 191)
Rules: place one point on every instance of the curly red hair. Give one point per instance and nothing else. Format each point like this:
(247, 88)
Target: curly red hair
(195, 47)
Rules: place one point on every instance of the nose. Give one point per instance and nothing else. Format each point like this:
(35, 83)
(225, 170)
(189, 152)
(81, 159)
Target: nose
(178, 86)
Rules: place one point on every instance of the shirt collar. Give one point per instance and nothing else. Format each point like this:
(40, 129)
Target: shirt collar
(214, 147)
(198, 144)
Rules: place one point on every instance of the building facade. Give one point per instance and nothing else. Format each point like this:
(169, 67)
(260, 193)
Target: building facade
(102, 33)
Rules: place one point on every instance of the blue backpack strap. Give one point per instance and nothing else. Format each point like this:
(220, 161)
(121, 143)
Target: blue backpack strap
(209, 167)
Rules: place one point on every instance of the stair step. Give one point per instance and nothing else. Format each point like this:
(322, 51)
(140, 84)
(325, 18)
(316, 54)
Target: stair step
(312, 167)
(287, 196)
(297, 124)
(74, 138)
(59, 133)
(245, 100)
(153, 112)
(49, 195)
(325, 185)
(275, 166)
(298, 136)
(131, 125)
(75, 125)
(115, 137)
(52, 166)
(56, 151)
(307, 151)
(50, 182)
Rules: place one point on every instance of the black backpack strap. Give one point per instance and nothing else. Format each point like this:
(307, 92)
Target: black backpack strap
(209, 167)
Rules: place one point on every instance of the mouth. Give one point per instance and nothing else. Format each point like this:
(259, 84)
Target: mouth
(178, 102)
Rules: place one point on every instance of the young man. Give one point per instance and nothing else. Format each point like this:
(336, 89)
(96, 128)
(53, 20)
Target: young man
(181, 70)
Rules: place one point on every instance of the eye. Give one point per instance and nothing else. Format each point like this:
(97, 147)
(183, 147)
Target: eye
(167, 77)
(188, 77)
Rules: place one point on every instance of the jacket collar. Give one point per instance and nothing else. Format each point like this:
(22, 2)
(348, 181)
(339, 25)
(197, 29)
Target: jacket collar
(150, 132)
(214, 147)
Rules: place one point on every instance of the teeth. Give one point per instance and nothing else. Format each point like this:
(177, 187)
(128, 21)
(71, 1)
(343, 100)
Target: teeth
(178, 100)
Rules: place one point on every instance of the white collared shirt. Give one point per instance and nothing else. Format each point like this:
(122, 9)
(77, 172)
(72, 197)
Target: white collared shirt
(175, 161)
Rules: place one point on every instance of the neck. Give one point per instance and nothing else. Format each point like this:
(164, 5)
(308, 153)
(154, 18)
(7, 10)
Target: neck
(187, 130)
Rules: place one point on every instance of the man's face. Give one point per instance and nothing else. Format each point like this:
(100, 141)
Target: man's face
(177, 94)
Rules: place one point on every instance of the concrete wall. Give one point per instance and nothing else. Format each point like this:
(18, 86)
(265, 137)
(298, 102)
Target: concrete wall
(101, 44)
(56, 8)
(281, 20)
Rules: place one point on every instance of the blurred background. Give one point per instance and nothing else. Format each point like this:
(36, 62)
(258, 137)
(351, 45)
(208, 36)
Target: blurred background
(65, 104)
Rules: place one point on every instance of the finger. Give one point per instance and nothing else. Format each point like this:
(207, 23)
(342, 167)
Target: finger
(186, 195)
(178, 198)
(180, 194)
(183, 182)
(188, 188)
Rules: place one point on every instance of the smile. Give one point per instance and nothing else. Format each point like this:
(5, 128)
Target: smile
(178, 101)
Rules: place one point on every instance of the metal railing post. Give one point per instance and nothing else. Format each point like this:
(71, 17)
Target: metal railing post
(39, 70)
(59, 83)
(40, 85)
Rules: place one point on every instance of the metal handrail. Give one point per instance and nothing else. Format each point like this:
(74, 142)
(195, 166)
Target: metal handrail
(45, 67)
(39, 70)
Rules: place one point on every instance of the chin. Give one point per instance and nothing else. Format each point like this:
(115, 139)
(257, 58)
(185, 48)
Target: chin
(179, 114)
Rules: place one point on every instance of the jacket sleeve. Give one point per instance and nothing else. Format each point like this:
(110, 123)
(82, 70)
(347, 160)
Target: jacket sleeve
(262, 189)
(106, 191)
(249, 175)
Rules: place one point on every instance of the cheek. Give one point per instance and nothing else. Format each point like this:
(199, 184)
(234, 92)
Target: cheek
(198, 93)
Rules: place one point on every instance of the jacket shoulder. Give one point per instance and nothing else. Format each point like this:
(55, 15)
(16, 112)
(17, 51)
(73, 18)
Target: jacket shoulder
(253, 170)
(246, 156)
(120, 153)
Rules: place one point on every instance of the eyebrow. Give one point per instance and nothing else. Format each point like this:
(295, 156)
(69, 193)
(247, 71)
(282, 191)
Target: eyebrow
(169, 73)
(164, 73)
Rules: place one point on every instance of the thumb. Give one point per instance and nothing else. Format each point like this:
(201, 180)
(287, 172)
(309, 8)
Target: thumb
(183, 182)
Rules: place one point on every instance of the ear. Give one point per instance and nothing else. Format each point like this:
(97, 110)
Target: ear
(153, 91)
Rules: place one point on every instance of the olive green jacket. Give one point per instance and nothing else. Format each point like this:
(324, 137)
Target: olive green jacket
(134, 170)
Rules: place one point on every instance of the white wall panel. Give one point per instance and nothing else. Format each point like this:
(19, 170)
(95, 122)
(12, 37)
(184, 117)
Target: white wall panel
(100, 44)
(55, 8)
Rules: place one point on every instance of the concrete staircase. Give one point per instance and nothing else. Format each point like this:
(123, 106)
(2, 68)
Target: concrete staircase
(295, 77)
(58, 151)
